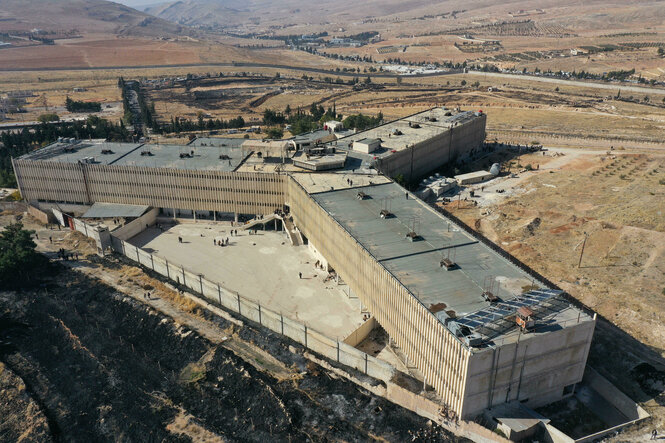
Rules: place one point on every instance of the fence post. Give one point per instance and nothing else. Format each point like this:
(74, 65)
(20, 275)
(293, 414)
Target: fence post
(168, 275)
(281, 317)
(365, 363)
(260, 322)
(238, 296)
(137, 255)
(306, 336)
(152, 262)
(337, 348)
(201, 282)
(184, 281)
(219, 292)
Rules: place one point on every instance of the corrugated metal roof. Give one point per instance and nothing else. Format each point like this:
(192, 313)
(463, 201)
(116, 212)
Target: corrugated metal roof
(111, 210)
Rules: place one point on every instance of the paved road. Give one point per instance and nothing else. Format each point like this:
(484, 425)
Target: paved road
(609, 86)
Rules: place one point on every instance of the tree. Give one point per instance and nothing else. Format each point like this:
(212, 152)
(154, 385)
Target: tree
(661, 51)
(20, 264)
(275, 133)
(463, 83)
(368, 80)
(399, 80)
(50, 117)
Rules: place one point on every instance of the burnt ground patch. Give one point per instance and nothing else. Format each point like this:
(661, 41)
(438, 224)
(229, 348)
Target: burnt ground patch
(104, 367)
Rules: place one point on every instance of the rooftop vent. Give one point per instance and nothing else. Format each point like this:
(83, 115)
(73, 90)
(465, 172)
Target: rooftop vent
(437, 307)
(146, 152)
(432, 119)
(414, 125)
(396, 132)
(490, 297)
(224, 157)
(448, 264)
(412, 236)
(185, 155)
(362, 196)
(385, 214)
(107, 151)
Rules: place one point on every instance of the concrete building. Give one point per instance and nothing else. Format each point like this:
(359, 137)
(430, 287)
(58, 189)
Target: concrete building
(366, 145)
(418, 144)
(449, 300)
(474, 177)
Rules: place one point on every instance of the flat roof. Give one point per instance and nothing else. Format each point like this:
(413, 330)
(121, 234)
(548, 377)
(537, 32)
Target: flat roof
(417, 264)
(413, 129)
(324, 182)
(65, 152)
(474, 174)
(224, 157)
(112, 210)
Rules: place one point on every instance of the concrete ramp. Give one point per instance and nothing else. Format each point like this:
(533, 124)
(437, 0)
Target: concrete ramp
(294, 234)
(260, 221)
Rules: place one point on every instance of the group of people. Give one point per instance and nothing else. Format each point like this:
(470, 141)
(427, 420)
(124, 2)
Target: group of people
(221, 242)
(64, 255)
(146, 296)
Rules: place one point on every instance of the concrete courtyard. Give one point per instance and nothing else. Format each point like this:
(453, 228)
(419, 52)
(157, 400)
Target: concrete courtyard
(262, 267)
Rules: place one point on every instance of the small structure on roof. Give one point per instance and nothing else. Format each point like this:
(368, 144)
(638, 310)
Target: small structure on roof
(366, 145)
(267, 148)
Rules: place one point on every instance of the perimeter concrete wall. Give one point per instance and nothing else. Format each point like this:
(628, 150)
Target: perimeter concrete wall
(137, 225)
(309, 337)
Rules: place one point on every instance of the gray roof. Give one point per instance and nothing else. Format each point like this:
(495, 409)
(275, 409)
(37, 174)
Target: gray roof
(417, 264)
(65, 152)
(227, 156)
(112, 210)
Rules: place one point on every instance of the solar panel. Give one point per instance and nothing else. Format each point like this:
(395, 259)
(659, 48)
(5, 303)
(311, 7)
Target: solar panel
(491, 316)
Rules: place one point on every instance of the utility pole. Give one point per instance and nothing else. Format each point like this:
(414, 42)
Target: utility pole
(579, 265)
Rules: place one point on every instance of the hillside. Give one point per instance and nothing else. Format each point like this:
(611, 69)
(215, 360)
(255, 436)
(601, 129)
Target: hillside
(83, 16)
(294, 16)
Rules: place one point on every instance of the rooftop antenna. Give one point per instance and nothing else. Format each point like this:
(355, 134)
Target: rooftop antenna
(490, 292)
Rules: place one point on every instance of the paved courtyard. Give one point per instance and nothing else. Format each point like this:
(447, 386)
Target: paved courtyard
(262, 267)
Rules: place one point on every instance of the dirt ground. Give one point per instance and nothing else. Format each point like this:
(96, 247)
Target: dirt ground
(84, 359)
(616, 201)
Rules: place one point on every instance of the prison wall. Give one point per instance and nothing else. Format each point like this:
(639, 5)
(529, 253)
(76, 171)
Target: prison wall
(448, 146)
(435, 351)
(244, 193)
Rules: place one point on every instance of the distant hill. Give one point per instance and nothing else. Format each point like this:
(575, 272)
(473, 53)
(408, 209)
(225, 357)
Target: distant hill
(273, 15)
(86, 16)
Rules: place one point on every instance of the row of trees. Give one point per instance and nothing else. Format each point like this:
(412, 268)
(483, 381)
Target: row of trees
(78, 106)
(181, 124)
(308, 120)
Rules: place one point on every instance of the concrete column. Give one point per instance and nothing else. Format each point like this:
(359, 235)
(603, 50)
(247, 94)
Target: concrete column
(194, 214)
(235, 215)
(173, 213)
